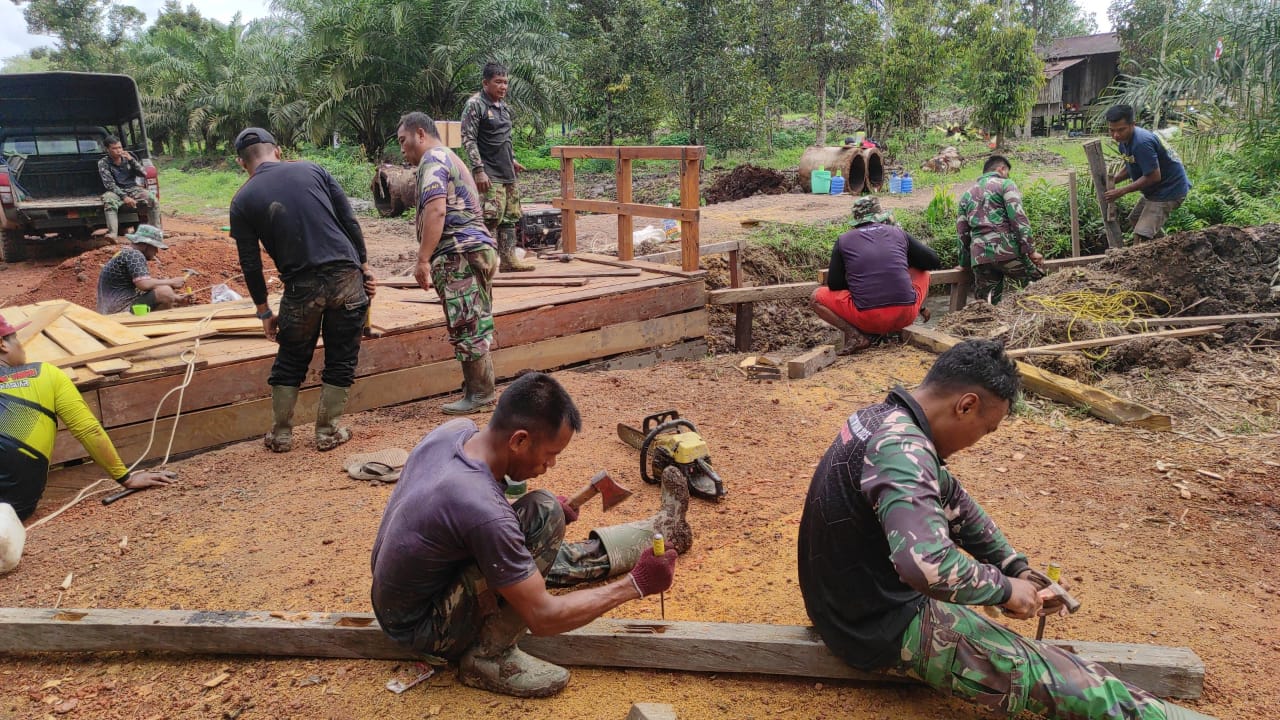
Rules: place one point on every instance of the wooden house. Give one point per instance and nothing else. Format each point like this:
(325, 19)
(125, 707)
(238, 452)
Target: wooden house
(1077, 70)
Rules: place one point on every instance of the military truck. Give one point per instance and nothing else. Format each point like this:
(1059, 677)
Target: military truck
(52, 127)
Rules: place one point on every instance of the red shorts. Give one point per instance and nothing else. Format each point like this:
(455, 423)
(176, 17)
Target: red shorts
(878, 321)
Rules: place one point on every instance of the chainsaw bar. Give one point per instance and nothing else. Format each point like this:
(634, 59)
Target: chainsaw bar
(630, 435)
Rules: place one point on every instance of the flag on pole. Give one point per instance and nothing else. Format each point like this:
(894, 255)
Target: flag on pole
(1217, 50)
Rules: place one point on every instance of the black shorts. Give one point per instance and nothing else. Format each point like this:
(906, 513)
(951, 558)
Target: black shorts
(23, 474)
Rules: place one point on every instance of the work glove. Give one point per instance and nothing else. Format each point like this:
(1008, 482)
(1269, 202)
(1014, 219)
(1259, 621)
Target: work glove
(1059, 602)
(570, 514)
(654, 574)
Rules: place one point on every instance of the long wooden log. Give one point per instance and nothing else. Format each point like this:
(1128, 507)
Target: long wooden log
(1113, 340)
(692, 646)
(1102, 183)
(1099, 403)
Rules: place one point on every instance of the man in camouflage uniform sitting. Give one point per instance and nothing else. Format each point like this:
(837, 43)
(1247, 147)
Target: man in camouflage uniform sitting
(995, 235)
(881, 569)
(120, 172)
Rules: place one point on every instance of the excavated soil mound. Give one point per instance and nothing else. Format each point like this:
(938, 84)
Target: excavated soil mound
(76, 278)
(745, 181)
(776, 325)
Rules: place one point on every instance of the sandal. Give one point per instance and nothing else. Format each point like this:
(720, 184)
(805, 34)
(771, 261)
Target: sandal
(374, 470)
(383, 465)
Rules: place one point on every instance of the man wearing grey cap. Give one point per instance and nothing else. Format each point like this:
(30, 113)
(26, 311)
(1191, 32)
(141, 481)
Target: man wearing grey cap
(126, 279)
(297, 213)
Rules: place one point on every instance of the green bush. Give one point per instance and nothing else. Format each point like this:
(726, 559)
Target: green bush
(679, 137)
(789, 139)
(347, 165)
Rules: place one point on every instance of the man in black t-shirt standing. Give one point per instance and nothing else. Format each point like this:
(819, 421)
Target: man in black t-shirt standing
(303, 220)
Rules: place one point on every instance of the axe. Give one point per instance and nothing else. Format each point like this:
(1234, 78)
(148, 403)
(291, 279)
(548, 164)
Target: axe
(610, 492)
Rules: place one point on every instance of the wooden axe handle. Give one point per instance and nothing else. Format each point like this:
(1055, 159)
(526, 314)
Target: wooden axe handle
(583, 495)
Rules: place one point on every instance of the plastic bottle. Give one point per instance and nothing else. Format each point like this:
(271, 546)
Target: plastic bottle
(895, 183)
(906, 184)
(837, 184)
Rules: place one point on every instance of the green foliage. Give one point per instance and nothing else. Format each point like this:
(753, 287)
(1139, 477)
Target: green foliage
(34, 61)
(348, 166)
(89, 33)
(804, 248)
(1005, 75)
(196, 192)
(830, 39)
(1053, 19)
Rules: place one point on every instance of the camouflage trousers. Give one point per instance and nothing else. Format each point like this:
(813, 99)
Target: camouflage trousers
(454, 619)
(958, 651)
(502, 206)
(328, 301)
(464, 282)
(989, 279)
(113, 201)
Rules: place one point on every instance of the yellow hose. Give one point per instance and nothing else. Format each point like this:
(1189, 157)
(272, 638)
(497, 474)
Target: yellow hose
(1121, 307)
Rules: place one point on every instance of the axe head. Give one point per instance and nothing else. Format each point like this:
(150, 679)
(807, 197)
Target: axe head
(611, 493)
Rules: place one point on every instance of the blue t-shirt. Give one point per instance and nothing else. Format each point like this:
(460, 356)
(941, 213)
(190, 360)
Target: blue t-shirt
(446, 512)
(1146, 151)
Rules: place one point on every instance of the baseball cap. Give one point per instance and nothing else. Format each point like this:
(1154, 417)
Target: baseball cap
(6, 329)
(148, 235)
(253, 136)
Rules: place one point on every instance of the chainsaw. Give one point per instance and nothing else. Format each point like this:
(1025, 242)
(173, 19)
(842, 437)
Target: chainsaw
(667, 439)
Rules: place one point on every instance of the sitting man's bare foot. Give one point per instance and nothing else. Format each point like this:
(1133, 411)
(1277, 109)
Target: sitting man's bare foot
(854, 342)
(925, 314)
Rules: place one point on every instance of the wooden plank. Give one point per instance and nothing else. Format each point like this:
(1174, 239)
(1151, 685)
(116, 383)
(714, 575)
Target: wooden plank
(744, 318)
(626, 226)
(651, 711)
(1099, 403)
(690, 200)
(1073, 203)
(249, 325)
(38, 319)
(790, 650)
(811, 362)
(672, 256)
(611, 207)
(1205, 319)
(410, 283)
(108, 353)
(1101, 184)
(647, 267)
(760, 293)
(1113, 340)
(109, 367)
(102, 327)
(568, 217)
(624, 152)
(687, 350)
(242, 308)
(71, 338)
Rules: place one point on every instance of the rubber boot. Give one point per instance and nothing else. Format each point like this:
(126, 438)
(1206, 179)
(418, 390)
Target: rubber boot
(153, 214)
(477, 387)
(496, 664)
(507, 251)
(113, 224)
(333, 400)
(624, 543)
(1177, 712)
(283, 398)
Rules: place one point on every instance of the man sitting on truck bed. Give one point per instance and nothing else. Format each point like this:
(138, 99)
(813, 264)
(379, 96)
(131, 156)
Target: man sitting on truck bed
(120, 172)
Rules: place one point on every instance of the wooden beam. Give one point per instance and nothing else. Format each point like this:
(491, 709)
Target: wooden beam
(1101, 184)
(626, 251)
(115, 352)
(1205, 319)
(104, 328)
(760, 293)
(610, 207)
(672, 256)
(39, 319)
(690, 646)
(651, 711)
(690, 201)
(513, 281)
(811, 362)
(1099, 403)
(743, 319)
(1073, 203)
(633, 152)
(1113, 340)
(568, 217)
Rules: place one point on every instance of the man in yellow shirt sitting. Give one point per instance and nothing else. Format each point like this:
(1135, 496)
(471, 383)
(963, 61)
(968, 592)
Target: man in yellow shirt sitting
(33, 397)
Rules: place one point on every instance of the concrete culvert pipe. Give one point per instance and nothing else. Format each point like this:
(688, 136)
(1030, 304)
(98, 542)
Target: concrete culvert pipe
(830, 159)
(394, 188)
(857, 177)
(874, 169)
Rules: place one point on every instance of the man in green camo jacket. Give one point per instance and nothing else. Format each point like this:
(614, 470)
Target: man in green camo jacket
(880, 563)
(995, 235)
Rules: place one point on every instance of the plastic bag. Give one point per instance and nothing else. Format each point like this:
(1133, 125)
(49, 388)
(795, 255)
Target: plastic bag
(13, 537)
(650, 233)
(222, 293)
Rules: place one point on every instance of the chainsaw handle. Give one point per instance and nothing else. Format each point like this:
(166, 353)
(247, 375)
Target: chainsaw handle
(658, 419)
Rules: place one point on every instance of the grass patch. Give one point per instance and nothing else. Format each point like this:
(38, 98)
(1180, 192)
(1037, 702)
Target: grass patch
(198, 192)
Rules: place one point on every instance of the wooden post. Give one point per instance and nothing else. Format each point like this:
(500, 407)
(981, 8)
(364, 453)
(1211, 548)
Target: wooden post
(568, 218)
(626, 226)
(1075, 213)
(689, 200)
(1101, 184)
(960, 291)
(743, 313)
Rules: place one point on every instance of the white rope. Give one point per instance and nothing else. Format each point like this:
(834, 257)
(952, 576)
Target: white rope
(188, 356)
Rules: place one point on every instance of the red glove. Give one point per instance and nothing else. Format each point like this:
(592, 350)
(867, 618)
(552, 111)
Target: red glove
(570, 514)
(654, 574)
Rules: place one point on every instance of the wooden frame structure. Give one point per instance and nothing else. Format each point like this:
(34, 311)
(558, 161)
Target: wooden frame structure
(690, 158)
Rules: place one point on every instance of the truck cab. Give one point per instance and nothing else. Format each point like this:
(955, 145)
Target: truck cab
(52, 128)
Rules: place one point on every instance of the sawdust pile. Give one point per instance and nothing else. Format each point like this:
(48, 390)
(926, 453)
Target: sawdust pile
(745, 181)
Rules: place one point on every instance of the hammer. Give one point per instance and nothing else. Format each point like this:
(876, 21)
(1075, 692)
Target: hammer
(610, 492)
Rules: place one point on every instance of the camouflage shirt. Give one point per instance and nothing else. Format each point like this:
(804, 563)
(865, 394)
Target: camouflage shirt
(992, 226)
(486, 137)
(441, 174)
(883, 527)
(118, 178)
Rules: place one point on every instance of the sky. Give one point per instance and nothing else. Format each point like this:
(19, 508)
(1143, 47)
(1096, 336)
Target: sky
(15, 40)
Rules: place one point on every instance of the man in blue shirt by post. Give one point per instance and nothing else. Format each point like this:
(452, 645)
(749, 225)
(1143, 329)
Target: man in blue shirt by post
(1154, 169)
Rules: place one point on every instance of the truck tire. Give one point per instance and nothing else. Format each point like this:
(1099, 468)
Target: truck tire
(13, 246)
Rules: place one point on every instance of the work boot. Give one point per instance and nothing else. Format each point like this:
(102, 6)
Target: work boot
(283, 398)
(1177, 712)
(507, 251)
(624, 543)
(333, 400)
(495, 664)
(477, 387)
(113, 224)
(153, 214)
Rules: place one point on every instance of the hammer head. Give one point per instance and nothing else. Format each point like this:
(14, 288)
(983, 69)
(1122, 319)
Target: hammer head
(190, 271)
(611, 493)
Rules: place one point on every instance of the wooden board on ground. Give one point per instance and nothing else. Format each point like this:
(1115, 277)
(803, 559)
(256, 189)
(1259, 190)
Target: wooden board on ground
(1113, 340)
(1100, 403)
(811, 362)
(1175, 672)
(71, 338)
(103, 327)
(37, 320)
(651, 711)
(108, 353)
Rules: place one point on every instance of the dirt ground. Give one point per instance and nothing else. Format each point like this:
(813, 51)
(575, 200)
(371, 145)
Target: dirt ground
(246, 529)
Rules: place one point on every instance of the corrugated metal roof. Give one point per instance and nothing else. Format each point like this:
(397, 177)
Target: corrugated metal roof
(1054, 68)
(1084, 45)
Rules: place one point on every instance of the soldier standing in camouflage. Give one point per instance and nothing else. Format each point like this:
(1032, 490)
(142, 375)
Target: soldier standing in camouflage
(995, 235)
(486, 137)
(881, 569)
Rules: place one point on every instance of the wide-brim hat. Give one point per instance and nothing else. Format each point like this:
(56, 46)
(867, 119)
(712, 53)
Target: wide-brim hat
(148, 235)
